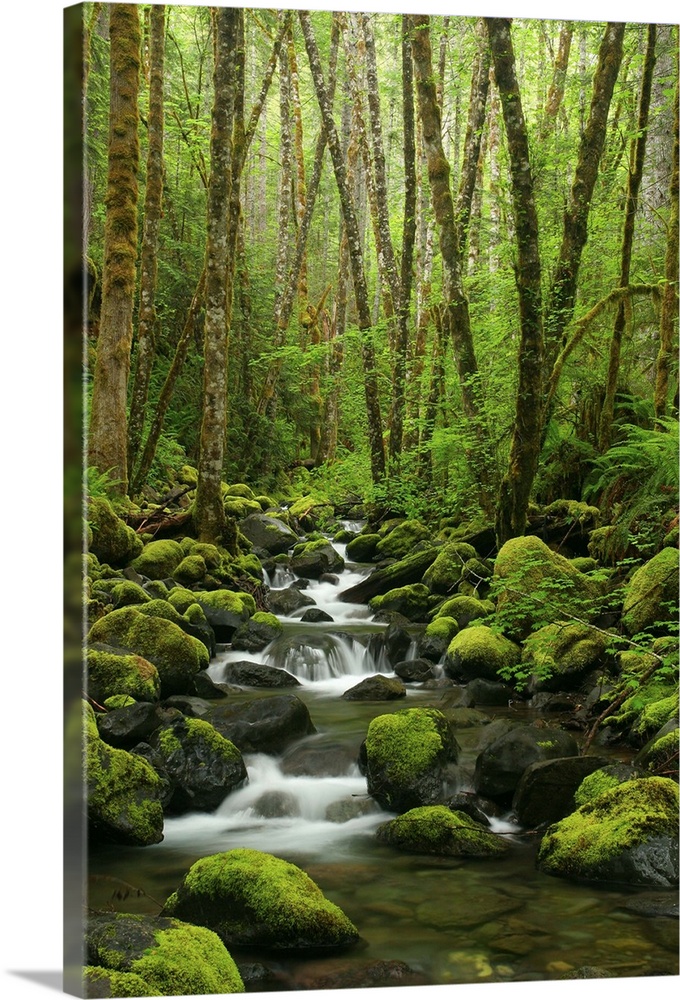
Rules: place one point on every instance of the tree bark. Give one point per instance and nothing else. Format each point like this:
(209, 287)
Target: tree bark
(153, 211)
(374, 420)
(669, 303)
(209, 508)
(633, 188)
(473, 136)
(456, 303)
(525, 446)
(107, 442)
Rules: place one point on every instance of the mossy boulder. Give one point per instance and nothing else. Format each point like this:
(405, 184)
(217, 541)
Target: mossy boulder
(178, 657)
(127, 592)
(210, 553)
(240, 507)
(362, 548)
(398, 574)
(660, 753)
(123, 793)
(111, 671)
(411, 601)
(168, 956)
(405, 756)
(159, 559)
(502, 763)
(268, 534)
(311, 512)
(401, 540)
(478, 651)
(448, 569)
(239, 490)
(465, 610)
(192, 569)
(253, 899)
(534, 584)
(440, 830)
(436, 638)
(652, 594)
(628, 834)
(224, 609)
(99, 982)
(312, 559)
(202, 765)
(546, 790)
(112, 540)
(654, 716)
(376, 688)
(603, 780)
(257, 632)
(561, 655)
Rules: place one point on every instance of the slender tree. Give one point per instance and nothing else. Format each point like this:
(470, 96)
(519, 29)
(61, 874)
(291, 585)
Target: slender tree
(107, 442)
(669, 303)
(153, 210)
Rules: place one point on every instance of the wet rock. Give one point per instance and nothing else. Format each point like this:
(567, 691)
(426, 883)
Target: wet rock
(442, 831)
(124, 727)
(414, 670)
(264, 725)
(484, 692)
(359, 975)
(316, 615)
(376, 688)
(274, 804)
(319, 759)
(285, 602)
(545, 792)
(268, 534)
(481, 905)
(350, 808)
(500, 766)
(362, 548)
(257, 632)
(468, 803)
(244, 672)
(188, 705)
(408, 570)
(396, 641)
(205, 687)
(654, 904)
(313, 559)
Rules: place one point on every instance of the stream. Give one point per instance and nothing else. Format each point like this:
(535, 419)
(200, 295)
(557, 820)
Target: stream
(452, 920)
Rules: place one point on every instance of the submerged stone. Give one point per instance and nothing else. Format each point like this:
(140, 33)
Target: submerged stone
(440, 830)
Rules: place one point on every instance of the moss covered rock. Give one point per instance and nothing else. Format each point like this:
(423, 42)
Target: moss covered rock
(268, 534)
(448, 569)
(170, 957)
(127, 592)
(178, 657)
(405, 756)
(652, 594)
(202, 765)
(502, 762)
(253, 899)
(478, 651)
(440, 830)
(240, 507)
(100, 982)
(401, 539)
(239, 490)
(436, 638)
(159, 559)
(112, 541)
(660, 753)
(123, 793)
(192, 569)
(112, 672)
(363, 547)
(560, 656)
(411, 601)
(317, 557)
(376, 688)
(224, 609)
(627, 834)
(257, 632)
(534, 584)
(465, 610)
(603, 780)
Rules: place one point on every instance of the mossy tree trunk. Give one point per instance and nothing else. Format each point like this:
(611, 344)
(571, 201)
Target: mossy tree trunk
(667, 355)
(455, 300)
(107, 441)
(525, 446)
(209, 508)
(153, 210)
(479, 91)
(557, 84)
(374, 419)
(633, 187)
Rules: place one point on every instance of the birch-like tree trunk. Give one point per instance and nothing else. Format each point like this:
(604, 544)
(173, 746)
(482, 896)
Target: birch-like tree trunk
(669, 304)
(374, 419)
(153, 211)
(107, 435)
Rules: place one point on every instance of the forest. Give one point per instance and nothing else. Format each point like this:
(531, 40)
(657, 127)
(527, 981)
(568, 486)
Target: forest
(386, 304)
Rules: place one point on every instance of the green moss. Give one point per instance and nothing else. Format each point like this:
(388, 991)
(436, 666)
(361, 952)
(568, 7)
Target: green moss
(239, 490)
(123, 791)
(440, 830)
(479, 651)
(159, 559)
(195, 731)
(227, 600)
(188, 475)
(465, 609)
(196, 615)
(113, 541)
(584, 564)
(412, 601)
(117, 984)
(652, 595)
(406, 743)
(239, 507)
(655, 690)
(400, 541)
(118, 701)
(247, 565)
(363, 547)
(210, 554)
(443, 627)
(574, 511)
(110, 674)
(563, 647)
(663, 752)
(593, 785)
(450, 567)
(181, 599)
(266, 618)
(583, 844)
(128, 593)
(253, 897)
(192, 569)
(655, 715)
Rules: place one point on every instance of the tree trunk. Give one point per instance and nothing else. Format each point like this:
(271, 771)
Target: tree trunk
(456, 303)
(526, 434)
(669, 304)
(407, 246)
(563, 288)
(153, 211)
(556, 91)
(107, 443)
(473, 137)
(209, 508)
(634, 179)
(374, 419)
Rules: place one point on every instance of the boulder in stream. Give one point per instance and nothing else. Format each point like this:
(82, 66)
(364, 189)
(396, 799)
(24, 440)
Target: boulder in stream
(253, 899)
(545, 792)
(168, 957)
(628, 834)
(268, 534)
(313, 559)
(263, 725)
(257, 632)
(112, 671)
(477, 651)
(285, 602)
(405, 756)
(440, 830)
(502, 763)
(248, 674)
(376, 687)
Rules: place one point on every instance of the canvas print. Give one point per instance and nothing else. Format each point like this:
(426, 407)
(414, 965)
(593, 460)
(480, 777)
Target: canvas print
(372, 656)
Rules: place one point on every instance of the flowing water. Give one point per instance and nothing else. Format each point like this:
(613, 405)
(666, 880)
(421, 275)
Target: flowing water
(452, 920)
